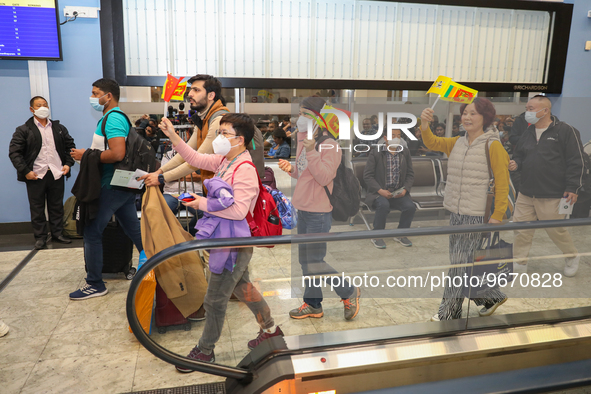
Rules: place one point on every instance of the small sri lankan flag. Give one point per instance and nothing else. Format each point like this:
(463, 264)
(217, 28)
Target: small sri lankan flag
(330, 122)
(449, 90)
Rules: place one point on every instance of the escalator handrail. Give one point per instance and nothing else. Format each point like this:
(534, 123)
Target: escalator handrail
(195, 245)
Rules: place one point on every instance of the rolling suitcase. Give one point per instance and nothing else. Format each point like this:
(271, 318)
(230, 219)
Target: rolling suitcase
(117, 251)
(166, 314)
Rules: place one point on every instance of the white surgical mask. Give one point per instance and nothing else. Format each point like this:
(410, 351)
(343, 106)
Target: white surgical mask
(221, 145)
(530, 116)
(42, 112)
(302, 124)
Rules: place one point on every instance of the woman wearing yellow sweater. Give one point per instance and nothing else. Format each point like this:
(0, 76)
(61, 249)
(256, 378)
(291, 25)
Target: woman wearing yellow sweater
(465, 194)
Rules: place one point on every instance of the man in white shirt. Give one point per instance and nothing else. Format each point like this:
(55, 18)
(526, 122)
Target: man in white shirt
(40, 152)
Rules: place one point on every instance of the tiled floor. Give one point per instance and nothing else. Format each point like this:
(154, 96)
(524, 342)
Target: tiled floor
(59, 346)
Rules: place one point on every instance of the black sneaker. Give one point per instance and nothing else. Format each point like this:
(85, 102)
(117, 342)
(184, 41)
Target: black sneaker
(404, 241)
(40, 244)
(379, 243)
(196, 354)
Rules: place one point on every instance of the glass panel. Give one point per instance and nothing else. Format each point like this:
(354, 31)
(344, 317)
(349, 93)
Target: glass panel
(556, 274)
(398, 285)
(374, 40)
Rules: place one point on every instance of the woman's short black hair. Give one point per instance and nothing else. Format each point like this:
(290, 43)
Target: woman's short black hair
(242, 124)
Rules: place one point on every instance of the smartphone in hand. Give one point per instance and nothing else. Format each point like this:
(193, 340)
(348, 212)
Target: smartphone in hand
(186, 197)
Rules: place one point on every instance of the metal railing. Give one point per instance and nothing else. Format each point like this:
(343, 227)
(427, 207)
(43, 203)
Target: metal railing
(195, 245)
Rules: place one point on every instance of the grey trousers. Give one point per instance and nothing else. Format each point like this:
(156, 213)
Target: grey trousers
(219, 290)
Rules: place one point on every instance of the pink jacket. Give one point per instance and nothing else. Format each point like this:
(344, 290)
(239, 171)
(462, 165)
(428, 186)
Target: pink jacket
(309, 194)
(246, 181)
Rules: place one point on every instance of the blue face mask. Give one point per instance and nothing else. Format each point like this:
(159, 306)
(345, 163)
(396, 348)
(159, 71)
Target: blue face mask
(94, 102)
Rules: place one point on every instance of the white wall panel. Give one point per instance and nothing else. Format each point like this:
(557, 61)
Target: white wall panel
(334, 39)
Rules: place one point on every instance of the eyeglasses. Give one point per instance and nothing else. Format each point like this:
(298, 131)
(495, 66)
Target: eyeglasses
(226, 135)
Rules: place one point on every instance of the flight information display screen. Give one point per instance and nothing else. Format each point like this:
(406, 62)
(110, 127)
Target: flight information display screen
(29, 30)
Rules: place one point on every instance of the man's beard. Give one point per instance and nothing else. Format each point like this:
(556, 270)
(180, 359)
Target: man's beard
(200, 106)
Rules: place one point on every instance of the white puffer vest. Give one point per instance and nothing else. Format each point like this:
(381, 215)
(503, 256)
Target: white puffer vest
(467, 176)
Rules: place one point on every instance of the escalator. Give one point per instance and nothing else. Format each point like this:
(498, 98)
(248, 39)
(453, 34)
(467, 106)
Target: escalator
(539, 351)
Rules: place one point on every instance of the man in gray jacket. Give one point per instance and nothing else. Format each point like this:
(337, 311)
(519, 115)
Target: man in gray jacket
(389, 176)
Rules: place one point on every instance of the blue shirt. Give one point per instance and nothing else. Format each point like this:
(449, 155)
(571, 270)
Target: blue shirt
(282, 151)
(117, 126)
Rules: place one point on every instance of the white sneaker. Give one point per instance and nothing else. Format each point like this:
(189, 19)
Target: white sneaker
(571, 265)
(435, 317)
(3, 328)
(519, 268)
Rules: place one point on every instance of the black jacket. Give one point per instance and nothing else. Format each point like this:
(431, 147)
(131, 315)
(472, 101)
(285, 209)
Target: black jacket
(87, 188)
(374, 174)
(519, 127)
(26, 144)
(552, 166)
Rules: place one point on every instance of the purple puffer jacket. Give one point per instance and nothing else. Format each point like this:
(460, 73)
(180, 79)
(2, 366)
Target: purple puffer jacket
(219, 197)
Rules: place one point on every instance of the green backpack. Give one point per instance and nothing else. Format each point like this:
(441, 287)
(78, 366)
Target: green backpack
(69, 221)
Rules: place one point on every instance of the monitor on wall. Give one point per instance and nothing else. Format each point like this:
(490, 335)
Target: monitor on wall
(30, 30)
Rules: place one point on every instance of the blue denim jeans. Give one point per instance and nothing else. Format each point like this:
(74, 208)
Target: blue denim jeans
(112, 202)
(311, 256)
(174, 205)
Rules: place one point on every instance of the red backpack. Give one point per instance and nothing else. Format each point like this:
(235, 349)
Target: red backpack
(265, 219)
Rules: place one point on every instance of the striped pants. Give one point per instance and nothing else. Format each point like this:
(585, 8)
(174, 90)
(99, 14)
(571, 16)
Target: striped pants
(461, 250)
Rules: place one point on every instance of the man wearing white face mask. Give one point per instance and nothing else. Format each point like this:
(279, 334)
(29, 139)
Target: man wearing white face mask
(111, 201)
(40, 152)
(549, 156)
(389, 176)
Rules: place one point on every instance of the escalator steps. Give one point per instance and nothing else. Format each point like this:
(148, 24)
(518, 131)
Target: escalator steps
(207, 388)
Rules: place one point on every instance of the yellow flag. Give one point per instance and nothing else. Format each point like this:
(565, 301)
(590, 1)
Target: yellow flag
(449, 90)
(179, 92)
(440, 85)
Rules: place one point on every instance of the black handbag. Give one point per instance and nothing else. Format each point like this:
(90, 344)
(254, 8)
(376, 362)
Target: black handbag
(497, 256)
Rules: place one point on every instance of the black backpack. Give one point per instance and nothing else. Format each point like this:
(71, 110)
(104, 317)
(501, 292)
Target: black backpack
(346, 191)
(139, 153)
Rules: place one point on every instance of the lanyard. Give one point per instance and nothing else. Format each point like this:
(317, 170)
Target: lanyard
(221, 174)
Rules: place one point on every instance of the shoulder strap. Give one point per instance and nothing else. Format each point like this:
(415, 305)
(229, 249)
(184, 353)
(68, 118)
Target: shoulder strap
(255, 168)
(491, 187)
(215, 115)
(104, 124)
(490, 171)
(249, 218)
